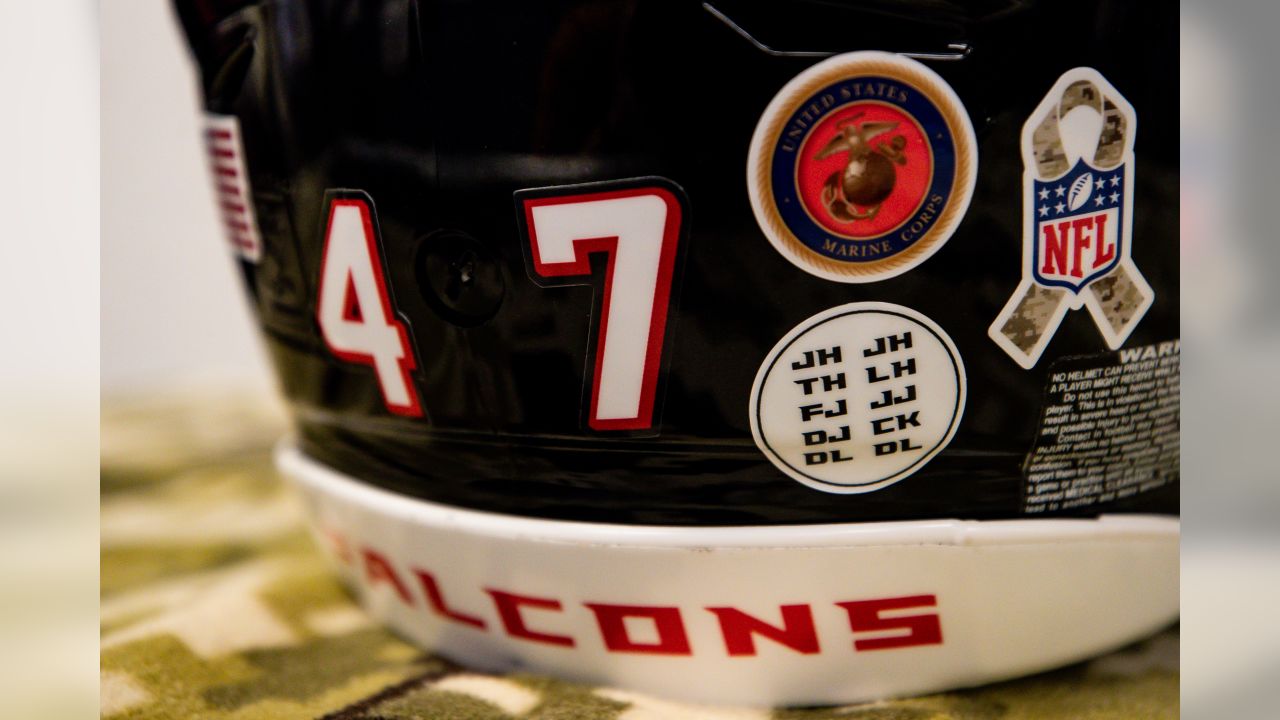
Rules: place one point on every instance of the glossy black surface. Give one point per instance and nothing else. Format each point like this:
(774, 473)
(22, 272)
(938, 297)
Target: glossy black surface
(442, 110)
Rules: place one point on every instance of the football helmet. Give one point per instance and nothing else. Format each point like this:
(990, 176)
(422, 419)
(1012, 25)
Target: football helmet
(755, 353)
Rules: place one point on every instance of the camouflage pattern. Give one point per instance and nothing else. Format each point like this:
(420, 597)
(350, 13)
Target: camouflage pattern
(1046, 139)
(215, 605)
(1118, 296)
(1031, 319)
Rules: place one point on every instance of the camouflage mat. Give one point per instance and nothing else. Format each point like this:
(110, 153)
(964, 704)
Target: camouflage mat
(216, 605)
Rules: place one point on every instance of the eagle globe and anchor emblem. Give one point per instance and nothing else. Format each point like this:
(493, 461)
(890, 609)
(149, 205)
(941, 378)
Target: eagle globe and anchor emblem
(868, 176)
(862, 167)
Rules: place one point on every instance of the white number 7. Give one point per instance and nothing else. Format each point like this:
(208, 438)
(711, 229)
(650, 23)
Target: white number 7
(355, 313)
(638, 228)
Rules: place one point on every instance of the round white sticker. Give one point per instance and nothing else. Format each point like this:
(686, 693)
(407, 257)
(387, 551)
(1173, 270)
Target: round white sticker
(858, 397)
(862, 166)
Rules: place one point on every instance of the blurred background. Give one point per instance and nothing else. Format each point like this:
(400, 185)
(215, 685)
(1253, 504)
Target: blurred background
(49, 359)
(173, 323)
(118, 290)
(174, 314)
(1231, 359)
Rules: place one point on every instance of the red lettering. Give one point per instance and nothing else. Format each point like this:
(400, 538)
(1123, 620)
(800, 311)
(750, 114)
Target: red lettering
(377, 569)
(1105, 251)
(672, 639)
(739, 630)
(436, 599)
(351, 305)
(338, 543)
(1055, 248)
(864, 617)
(1082, 242)
(508, 606)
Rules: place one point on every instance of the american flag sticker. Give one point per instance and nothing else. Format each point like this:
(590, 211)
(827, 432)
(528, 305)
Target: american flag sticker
(231, 185)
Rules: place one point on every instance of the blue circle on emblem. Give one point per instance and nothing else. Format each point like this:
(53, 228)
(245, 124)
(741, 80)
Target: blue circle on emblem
(847, 221)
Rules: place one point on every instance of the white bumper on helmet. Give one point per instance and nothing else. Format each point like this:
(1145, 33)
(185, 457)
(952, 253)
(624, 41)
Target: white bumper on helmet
(763, 615)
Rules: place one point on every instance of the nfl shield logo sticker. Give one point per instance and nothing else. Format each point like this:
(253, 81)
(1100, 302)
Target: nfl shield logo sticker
(1078, 166)
(1077, 226)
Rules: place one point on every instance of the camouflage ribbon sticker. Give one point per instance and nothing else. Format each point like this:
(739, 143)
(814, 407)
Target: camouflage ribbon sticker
(1077, 153)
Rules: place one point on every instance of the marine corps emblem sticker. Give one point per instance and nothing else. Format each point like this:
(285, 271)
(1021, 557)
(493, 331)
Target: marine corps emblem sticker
(1077, 154)
(862, 166)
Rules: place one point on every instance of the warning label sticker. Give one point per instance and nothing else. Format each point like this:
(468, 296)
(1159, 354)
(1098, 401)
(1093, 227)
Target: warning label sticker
(1110, 429)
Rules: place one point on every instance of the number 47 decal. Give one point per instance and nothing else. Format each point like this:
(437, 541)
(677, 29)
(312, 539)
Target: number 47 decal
(356, 316)
(637, 225)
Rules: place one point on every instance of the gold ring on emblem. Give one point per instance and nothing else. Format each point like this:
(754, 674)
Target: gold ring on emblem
(942, 98)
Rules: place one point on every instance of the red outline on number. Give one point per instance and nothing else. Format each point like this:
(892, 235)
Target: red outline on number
(581, 265)
(407, 360)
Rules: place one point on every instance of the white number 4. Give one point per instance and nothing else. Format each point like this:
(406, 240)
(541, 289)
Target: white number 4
(638, 229)
(355, 313)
